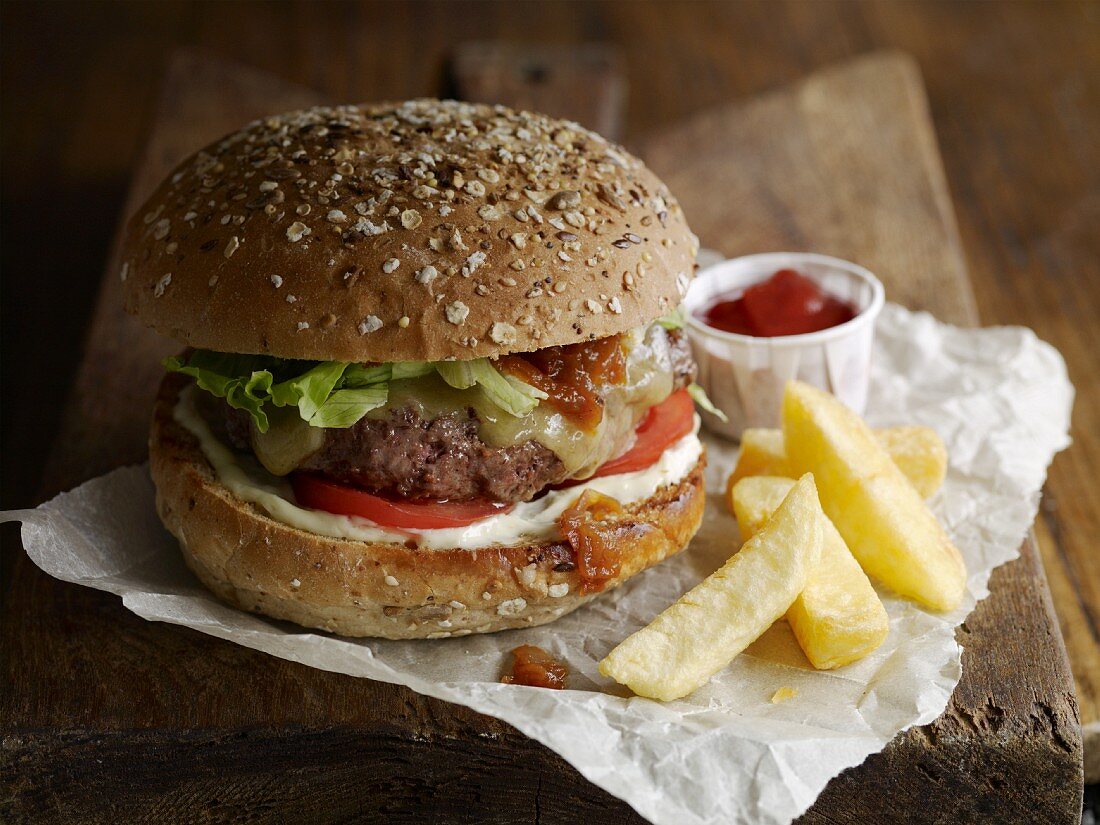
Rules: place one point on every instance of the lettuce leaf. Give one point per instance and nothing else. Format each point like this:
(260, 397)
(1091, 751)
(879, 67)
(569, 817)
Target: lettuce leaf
(336, 393)
(244, 381)
(509, 393)
(310, 391)
(459, 374)
(699, 396)
(672, 320)
(344, 407)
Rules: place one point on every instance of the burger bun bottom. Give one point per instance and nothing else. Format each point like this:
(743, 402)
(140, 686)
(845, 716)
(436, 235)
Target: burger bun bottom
(384, 589)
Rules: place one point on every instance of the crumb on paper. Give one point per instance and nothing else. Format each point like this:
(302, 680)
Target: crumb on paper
(783, 694)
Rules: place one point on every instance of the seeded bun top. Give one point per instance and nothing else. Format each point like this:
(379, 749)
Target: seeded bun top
(423, 230)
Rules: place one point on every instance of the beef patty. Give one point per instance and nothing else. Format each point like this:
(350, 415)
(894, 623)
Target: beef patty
(441, 458)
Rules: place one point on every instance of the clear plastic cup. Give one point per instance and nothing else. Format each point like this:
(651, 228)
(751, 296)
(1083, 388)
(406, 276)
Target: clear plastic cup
(744, 375)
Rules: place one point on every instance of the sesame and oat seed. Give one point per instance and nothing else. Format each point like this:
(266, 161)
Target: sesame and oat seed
(526, 575)
(456, 312)
(391, 581)
(472, 263)
(427, 274)
(303, 325)
(403, 321)
(162, 285)
(231, 247)
(277, 280)
(372, 323)
(410, 219)
(296, 231)
(390, 265)
(512, 607)
(502, 333)
(556, 591)
(565, 199)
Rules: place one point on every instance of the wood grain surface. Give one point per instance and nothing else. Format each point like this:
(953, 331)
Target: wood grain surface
(545, 78)
(1014, 99)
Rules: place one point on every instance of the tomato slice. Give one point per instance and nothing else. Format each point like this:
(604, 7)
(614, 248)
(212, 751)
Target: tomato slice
(404, 514)
(663, 426)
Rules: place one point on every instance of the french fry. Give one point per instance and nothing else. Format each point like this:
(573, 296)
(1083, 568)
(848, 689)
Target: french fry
(918, 452)
(709, 625)
(880, 514)
(762, 454)
(838, 618)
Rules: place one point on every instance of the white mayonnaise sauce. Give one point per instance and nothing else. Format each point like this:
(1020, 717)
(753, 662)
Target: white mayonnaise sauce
(527, 521)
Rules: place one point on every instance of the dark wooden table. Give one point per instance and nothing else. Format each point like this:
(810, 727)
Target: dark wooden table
(1014, 97)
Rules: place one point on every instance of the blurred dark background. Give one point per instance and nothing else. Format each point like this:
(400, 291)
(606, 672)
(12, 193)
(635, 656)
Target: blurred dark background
(1014, 90)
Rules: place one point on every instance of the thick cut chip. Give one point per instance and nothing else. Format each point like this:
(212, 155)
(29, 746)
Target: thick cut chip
(839, 617)
(880, 514)
(762, 454)
(918, 452)
(718, 618)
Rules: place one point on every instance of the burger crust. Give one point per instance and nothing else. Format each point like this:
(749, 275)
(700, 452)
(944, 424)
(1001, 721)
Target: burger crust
(425, 230)
(382, 589)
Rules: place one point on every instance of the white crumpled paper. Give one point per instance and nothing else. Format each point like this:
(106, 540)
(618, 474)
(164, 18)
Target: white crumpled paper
(1000, 399)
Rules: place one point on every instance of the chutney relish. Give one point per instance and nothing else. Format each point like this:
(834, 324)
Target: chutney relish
(534, 667)
(572, 375)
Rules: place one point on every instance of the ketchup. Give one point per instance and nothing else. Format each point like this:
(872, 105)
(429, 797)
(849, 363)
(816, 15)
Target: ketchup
(534, 667)
(788, 303)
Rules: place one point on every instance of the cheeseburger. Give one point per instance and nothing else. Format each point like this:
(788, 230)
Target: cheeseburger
(433, 381)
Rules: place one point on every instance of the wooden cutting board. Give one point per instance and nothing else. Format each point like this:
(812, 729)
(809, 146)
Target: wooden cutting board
(110, 718)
